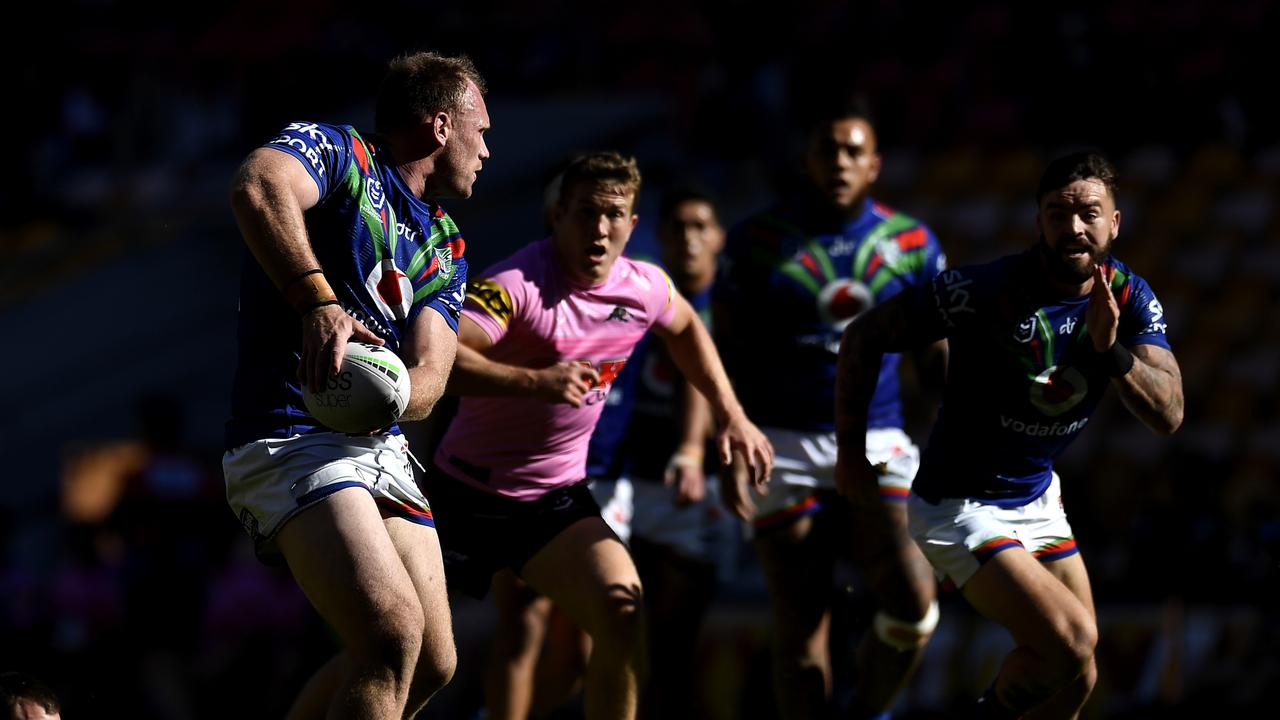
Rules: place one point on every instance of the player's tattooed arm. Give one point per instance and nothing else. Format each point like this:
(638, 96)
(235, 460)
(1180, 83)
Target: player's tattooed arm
(1152, 389)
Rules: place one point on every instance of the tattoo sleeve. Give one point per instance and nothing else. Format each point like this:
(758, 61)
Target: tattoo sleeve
(1152, 390)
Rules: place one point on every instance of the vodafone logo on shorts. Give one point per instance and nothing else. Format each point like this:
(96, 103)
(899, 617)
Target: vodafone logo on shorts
(1058, 389)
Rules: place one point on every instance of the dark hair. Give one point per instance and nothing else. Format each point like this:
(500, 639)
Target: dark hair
(15, 686)
(840, 107)
(602, 168)
(676, 196)
(1077, 166)
(421, 84)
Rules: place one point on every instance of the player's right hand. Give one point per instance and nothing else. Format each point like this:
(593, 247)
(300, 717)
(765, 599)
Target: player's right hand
(565, 382)
(325, 332)
(735, 493)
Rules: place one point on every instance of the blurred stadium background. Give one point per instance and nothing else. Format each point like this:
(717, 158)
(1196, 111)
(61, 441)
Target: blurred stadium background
(125, 582)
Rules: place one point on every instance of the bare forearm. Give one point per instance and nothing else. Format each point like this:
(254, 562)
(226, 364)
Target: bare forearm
(427, 383)
(475, 374)
(1152, 389)
(696, 357)
(695, 418)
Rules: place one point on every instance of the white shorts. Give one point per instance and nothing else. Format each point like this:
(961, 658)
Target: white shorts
(268, 481)
(696, 532)
(805, 463)
(958, 535)
(616, 505)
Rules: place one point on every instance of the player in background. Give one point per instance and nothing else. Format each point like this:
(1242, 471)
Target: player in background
(677, 523)
(1035, 339)
(348, 242)
(646, 463)
(543, 335)
(793, 277)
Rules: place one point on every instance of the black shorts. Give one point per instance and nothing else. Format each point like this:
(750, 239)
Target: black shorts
(482, 533)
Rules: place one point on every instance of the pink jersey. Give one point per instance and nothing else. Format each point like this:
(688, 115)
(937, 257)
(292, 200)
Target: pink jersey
(522, 447)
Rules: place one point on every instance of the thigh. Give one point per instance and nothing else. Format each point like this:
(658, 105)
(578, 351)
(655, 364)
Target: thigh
(587, 572)
(1071, 571)
(342, 557)
(798, 563)
(1015, 590)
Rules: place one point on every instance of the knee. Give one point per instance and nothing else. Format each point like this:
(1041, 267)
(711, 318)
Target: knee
(393, 642)
(1075, 639)
(622, 626)
(437, 663)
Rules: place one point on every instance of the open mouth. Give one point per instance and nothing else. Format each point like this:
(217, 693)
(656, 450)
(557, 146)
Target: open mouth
(597, 253)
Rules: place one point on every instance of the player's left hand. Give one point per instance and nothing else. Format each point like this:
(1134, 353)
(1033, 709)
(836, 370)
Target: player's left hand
(739, 435)
(1103, 313)
(684, 473)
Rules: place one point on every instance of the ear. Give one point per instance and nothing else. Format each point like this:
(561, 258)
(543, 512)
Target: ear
(634, 219)
(873, 168)
(1115, 225)
(441, 126)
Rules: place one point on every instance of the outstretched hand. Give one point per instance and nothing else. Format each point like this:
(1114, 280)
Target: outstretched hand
(1103, 313)
(325, 333)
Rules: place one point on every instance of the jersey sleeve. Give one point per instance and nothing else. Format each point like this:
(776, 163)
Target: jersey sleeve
(493, 301)
(660, 293)
(438, 272)
(945, 305)
(1142, 320)
(324, 150)
(449, 298)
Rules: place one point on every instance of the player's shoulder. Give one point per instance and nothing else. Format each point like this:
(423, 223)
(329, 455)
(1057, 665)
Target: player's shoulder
(314, 133)
(644, 272)
(885, 221)
(1126, 284)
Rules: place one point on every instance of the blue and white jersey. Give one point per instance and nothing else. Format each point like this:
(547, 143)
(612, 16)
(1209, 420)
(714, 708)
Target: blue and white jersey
(793, 282)
(1023, 378)
(387, 254)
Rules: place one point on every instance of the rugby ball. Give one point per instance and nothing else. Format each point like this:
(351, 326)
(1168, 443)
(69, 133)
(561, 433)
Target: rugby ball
(369, 393)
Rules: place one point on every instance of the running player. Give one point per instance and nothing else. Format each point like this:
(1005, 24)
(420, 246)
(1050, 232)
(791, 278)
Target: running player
(795, 276)
(348, 242)
(1035, 340)
(543, 335)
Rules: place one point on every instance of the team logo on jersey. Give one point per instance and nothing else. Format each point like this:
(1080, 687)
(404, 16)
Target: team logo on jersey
(390, 289)
(842, 300)
(373, 189)
(1026, 331)
(1058, 389)
(492, 298)
(890, 250)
